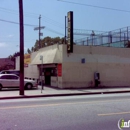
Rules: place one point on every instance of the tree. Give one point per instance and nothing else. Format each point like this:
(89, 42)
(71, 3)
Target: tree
(47, 41)
(32, 49)
(12, 57)
(29, 51)
(36, 46)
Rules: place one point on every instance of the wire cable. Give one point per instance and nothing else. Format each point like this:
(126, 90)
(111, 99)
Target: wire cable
(12, 22)
(101, 7)
(33, 15)
(16, 23)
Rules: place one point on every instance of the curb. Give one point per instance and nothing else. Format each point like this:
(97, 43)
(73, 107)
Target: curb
(58, 95)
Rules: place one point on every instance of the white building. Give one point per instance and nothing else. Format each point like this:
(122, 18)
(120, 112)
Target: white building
(76, 70)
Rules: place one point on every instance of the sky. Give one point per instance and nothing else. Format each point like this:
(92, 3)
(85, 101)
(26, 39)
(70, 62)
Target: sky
(87, 16)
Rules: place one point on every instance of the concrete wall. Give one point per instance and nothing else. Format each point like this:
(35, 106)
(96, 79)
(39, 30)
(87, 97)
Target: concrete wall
(31, 71)
(54, 81)
(60, 82)
(17, 63)
(113, 64)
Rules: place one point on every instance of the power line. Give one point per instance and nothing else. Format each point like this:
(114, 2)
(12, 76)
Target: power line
(12, 22)
(16, 23)
(101, 7)
(33, 15)
(54, 31)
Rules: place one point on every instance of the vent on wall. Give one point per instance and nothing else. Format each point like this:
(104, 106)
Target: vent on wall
(83, 60)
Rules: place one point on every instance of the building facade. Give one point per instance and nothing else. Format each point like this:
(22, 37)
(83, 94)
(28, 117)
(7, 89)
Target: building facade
(77, 69)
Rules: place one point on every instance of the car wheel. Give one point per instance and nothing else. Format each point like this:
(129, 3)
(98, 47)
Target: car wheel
(28, 86)
(0, 87)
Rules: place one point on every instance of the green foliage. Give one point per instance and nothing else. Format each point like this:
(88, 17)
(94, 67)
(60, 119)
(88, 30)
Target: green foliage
(12, 57)
(29, 51)
(47, 41)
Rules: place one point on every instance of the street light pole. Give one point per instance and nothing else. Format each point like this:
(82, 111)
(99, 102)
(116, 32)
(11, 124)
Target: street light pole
(41, 58)
(21, 92)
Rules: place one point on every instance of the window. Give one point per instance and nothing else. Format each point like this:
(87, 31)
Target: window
(5, 77)
(10, 72)
(15, 72)
(13, 77)
(4, 72)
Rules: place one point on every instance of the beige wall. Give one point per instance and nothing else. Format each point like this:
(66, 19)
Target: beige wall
(113, 64)
(54, 81)
(17, 61)
(60, 82)
(30, 72)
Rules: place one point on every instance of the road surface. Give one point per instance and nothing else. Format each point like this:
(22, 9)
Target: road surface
(93, 112)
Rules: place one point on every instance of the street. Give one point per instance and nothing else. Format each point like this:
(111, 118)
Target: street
(91, 112)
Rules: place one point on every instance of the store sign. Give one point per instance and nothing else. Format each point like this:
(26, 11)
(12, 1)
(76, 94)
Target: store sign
(59, 68)
(70, 32)
(27, 60)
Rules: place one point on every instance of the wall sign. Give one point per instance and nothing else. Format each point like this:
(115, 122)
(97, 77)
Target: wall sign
(59, 69)
(70, 32)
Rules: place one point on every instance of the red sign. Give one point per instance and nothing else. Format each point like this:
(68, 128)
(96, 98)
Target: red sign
(59, 70)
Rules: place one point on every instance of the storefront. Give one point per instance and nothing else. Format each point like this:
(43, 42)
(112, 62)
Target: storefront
(81, 68)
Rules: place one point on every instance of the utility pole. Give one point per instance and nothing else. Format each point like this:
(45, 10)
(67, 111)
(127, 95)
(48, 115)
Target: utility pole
(41, 57)
(39, 31)
(21, 92)
(39, 28)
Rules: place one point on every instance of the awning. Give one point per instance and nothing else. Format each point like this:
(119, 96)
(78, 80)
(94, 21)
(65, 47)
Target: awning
(49, 56)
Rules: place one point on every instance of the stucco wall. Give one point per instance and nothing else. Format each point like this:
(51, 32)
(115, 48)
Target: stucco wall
(30, 72)
(60, 82)
(54, 81)
(17, 61)
(113, 64)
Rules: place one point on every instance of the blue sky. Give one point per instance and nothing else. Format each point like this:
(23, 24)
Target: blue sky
(53, 16)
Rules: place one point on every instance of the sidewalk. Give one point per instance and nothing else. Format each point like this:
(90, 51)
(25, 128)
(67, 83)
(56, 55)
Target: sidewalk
(51, 92)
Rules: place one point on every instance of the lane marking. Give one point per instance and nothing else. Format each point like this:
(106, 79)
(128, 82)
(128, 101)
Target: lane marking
(31, 106)
(59, 104)
(110, 114)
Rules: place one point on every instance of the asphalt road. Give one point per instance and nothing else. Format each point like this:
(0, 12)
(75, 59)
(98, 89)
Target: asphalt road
(93, 112)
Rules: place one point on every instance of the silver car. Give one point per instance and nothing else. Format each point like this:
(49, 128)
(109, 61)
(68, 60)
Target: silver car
(12, 80)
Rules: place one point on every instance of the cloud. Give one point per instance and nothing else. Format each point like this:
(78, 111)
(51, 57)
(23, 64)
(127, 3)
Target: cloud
(10, 35)
(3, 44)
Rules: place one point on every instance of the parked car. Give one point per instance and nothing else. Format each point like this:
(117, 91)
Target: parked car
(17, 72)
(12, 80)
